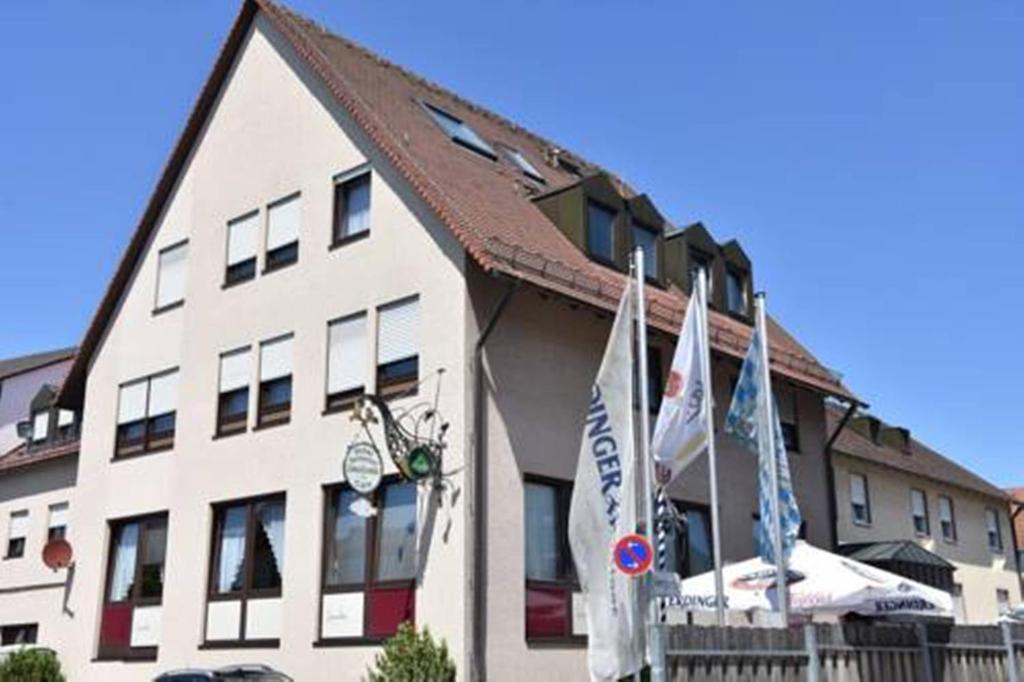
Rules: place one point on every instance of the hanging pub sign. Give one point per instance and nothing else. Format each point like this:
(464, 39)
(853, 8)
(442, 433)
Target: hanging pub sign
(362, 467)
(414, 439)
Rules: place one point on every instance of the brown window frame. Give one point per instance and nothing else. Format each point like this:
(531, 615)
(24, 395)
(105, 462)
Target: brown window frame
(342, 187)
(566, 577)
(398, 378)
(634, 225)
(608, 260)
(247, 591)
(371, 559)
(135, 597)
(228, 425)
(954, 536)
(151, 440)
(734, 273)
(913, 516)
(866, 521)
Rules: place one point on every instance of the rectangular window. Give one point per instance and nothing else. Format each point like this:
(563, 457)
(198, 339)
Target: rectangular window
(860, 505)
(243, 235)
(460, 132)
(523, 164)
(995, 534)
(170, 276)
(40, 426)
(648, 239)
(698, 260)
(553, 600)
(283, 221)
(17, 531)
(58, 526)
(786, 407)
(736, 291)
(947, 519)
(346, 361)
(23, 633)
(244, 601)
(352, 208)
(233, 395)
(370, 563)
(146, 414)
(130, 623)
(275, 404)
(1002, 602)
(919, 512)
(398, 344)
(65, 421)
(600, 232)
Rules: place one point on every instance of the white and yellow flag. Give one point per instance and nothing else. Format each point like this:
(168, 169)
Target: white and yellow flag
(681, 432)
(604, 508)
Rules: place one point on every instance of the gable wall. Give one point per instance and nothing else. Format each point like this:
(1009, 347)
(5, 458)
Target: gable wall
(267, 138)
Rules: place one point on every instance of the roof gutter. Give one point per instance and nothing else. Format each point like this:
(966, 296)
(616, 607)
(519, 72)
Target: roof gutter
(476, 554)
(830, 475)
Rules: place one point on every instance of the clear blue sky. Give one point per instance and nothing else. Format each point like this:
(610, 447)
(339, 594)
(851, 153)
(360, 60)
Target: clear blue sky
(868, 155)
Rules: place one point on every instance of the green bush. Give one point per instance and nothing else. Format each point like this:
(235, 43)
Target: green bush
(411, 657)
(31, 665)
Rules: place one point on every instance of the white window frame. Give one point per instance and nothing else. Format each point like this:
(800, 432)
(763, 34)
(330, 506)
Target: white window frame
(160, 305)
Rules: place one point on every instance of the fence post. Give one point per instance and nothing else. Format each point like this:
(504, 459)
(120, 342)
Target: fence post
(811, 646)
(1012, 673)
(926, 652)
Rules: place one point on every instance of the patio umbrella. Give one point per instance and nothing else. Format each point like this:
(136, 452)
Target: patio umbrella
(819, 582)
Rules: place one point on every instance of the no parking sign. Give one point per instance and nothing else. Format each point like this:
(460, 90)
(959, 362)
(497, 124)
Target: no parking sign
(633, 555)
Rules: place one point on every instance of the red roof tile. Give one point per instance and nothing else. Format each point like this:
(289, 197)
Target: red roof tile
(483, 202)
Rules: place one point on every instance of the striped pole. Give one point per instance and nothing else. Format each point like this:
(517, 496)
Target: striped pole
(661, 514)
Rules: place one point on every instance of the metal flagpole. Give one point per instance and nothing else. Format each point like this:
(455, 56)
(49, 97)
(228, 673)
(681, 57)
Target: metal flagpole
(705, 370)
(768, 422)
(654, 632)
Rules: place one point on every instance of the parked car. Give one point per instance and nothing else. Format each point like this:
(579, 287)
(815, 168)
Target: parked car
(231, 673)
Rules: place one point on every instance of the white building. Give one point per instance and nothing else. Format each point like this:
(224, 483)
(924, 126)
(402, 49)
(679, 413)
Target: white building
(330, 225)
(37, 478)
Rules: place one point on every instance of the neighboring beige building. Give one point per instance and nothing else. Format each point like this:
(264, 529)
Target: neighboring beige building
(37, 479)
(890, 488)
(330, 225)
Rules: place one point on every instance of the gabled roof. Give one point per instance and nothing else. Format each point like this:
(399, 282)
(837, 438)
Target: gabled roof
(919, 461)
(25, 363)
(486, 204)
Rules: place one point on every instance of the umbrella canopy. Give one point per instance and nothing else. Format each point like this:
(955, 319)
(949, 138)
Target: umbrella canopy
(819, 582)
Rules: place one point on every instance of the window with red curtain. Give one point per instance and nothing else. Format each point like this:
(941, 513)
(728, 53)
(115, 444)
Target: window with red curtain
(370, 562)
(129, 627)
(550, 572)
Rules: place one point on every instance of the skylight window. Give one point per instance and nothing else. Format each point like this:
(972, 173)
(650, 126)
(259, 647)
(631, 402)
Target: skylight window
(521, 162)
(460, 131)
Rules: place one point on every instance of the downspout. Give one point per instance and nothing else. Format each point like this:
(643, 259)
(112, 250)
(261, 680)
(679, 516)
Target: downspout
(477, 502)
(830, 475)
(1018, 510)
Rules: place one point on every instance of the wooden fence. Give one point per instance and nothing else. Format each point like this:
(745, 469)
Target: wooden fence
(859, 652)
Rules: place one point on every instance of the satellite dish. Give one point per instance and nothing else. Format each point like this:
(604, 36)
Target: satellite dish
(57, 554)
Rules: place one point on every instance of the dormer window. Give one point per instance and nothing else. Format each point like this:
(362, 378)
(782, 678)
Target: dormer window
(647, 238)
(736, 291)
(600, 232)
(700, 261)
(460, 132)
(40, 426)
(523, 164)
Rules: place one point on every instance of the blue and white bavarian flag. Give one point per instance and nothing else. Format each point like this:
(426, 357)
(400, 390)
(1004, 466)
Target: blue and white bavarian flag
(743, 422)
(603, 509)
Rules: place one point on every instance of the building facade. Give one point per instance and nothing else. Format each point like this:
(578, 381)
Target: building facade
(330, 226)
(890, 487)
(38, 467)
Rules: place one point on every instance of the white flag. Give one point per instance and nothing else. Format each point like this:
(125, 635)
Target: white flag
(604, 508)
(681, 432)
